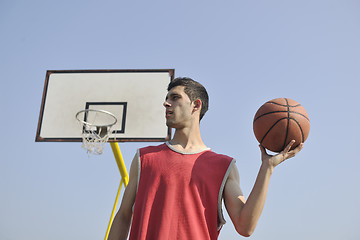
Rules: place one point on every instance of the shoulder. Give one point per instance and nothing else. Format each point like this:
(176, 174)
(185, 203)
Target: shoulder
(217, 162)
(152, 149)
(233, 173)
(218, 156)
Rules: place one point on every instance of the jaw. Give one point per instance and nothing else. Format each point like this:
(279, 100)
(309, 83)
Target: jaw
(182, 125)
(181, 119)
(172, 124)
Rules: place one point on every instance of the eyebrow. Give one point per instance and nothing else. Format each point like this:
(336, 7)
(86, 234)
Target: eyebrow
(172, 95)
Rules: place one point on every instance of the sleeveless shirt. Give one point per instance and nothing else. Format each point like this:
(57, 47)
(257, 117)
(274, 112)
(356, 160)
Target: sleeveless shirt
(179, 195)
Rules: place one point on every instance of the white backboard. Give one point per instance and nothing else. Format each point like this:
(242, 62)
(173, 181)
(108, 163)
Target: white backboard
(135, 97)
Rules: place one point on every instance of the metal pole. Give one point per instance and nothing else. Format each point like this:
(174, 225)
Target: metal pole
(120, 162)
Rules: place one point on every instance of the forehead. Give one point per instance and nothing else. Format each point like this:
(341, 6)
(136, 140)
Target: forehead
(177, 90)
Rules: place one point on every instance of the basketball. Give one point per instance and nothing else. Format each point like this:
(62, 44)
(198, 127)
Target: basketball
(279, 121)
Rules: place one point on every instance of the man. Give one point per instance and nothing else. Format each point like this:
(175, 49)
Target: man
(176, 189)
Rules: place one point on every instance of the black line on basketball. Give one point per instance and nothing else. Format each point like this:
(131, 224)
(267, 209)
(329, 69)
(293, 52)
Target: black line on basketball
(269, 113)
(287, 124)
(302, 132)
(271, 128)
(283, 104)
(281, 112)
(300, 115)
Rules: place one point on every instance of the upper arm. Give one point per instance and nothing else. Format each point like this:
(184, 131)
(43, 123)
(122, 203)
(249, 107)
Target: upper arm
(131, 189)
(233, 197)
(121, 224)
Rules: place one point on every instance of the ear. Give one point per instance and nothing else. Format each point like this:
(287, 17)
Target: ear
(197, 105)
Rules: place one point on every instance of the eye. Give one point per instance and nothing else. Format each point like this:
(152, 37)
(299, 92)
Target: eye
(175, 97)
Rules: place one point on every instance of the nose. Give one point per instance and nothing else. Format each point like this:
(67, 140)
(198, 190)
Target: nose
(166, 104)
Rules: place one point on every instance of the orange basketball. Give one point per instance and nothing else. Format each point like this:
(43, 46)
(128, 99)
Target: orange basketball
(279, 121)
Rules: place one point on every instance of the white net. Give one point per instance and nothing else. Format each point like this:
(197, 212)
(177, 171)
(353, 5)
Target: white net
(96, 127)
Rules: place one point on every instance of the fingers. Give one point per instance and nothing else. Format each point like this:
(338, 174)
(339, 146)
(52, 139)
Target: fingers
(288, 147)
(298, 148)
(291, 153)
(287, 152)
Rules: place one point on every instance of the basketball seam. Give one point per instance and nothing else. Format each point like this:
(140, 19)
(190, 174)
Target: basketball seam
(271, 129)
(302, 132)
(287, 125)
(282, 112)
(283, 104)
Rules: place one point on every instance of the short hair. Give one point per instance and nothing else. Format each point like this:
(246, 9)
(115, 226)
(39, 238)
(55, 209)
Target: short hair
(194, 90)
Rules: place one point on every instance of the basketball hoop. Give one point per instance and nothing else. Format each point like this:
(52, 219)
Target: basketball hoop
(96, 129)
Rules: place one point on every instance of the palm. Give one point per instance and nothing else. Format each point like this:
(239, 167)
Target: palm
(274, 160)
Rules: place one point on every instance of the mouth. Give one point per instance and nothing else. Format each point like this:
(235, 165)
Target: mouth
(168, 113)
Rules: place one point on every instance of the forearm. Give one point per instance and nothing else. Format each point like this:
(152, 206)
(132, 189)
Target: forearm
(254, 205)
(245, 214)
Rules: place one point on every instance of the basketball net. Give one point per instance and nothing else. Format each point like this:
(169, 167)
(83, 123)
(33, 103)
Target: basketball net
(96, 128)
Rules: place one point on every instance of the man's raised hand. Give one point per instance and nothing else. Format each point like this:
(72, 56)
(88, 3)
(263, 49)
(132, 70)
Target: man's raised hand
(274, 160)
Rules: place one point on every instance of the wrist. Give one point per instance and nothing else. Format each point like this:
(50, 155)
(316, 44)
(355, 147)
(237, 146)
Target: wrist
(267, 167)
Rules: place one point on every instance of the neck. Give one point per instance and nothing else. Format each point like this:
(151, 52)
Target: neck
(188, 139)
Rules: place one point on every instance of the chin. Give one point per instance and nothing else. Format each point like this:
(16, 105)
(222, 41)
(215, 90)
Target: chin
(171, 124)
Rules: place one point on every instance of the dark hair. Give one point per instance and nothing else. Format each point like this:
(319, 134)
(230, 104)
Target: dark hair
(194, 90)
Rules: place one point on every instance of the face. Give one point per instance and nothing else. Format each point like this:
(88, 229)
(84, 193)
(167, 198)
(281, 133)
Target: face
(179, 108)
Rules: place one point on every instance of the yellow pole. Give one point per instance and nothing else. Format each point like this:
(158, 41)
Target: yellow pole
(120, 162)
(124, 180)
(113, 210)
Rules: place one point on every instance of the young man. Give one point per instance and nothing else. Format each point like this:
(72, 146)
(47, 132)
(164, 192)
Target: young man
(176, 189)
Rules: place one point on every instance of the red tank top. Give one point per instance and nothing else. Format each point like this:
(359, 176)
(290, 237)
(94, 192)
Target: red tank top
(179, 194)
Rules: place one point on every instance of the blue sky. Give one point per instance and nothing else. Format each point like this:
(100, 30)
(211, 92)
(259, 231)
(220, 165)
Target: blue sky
(244, 52)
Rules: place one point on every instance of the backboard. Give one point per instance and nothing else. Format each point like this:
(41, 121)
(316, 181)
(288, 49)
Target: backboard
(135, 97)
